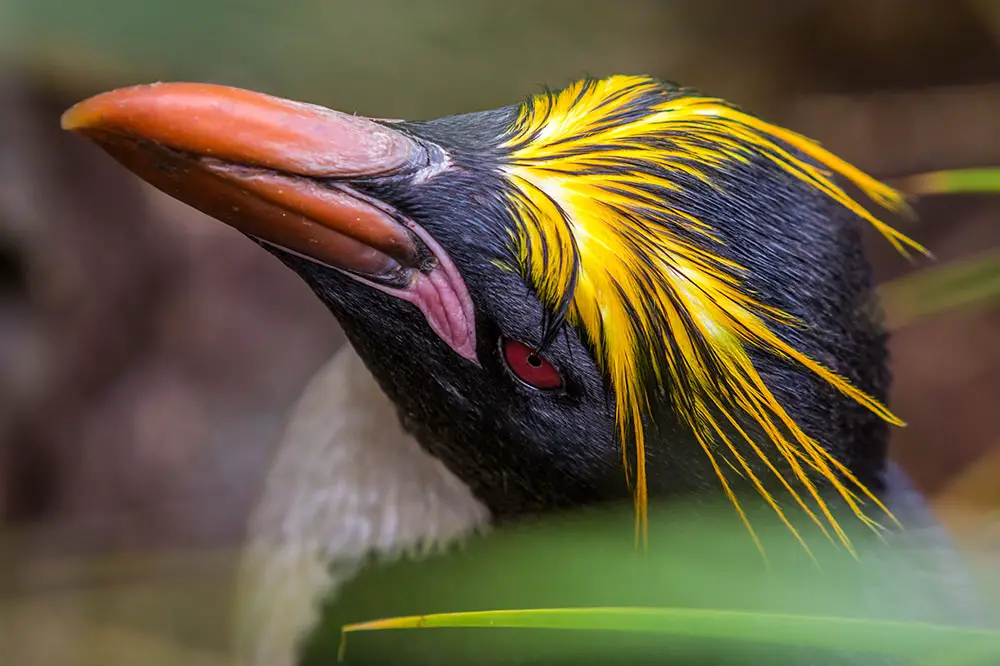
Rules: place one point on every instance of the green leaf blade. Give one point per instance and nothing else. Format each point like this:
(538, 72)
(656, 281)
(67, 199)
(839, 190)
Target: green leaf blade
(953, 181)
(833, 633)
(931, 291)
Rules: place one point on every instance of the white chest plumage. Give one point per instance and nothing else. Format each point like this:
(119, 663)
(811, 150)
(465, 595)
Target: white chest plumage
(346, 481)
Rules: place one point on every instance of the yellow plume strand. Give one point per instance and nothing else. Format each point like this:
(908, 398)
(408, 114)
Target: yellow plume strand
(587, 166)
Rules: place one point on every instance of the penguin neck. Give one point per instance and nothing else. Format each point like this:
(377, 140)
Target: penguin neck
(346, 482)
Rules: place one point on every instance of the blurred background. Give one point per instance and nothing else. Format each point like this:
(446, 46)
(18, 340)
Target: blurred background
(148, 355)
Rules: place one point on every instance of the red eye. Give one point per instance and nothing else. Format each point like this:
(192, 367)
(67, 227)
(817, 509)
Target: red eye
(529, 367)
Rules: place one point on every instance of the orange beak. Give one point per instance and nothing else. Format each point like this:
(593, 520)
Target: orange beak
(280, 172)
(271, 168)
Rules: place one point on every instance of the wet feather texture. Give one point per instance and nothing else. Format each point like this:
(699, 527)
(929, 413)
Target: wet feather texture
(604, 181)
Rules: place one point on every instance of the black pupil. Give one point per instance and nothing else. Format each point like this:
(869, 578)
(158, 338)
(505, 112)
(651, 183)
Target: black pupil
(534, 361)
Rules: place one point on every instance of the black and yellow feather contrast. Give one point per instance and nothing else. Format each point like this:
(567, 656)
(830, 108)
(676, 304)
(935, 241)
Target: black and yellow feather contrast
(599, 178)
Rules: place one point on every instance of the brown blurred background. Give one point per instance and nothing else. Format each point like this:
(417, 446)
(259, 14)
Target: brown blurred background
(148, 355)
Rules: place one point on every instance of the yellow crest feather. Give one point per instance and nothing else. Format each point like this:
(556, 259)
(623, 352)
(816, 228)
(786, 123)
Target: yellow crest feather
(583, 164)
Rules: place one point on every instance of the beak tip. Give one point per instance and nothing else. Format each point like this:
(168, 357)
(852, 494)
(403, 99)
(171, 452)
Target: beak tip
(93, 112)
(74, 118)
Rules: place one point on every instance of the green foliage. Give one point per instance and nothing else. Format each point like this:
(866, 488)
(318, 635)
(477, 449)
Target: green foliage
(955, 181)
(828, 633)
(938, 289)
(966, 282)
(701, 594)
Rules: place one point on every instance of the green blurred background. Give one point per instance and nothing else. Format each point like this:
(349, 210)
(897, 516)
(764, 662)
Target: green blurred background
(148, 355)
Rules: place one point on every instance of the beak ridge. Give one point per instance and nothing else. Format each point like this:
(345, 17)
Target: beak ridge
(248, 128)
